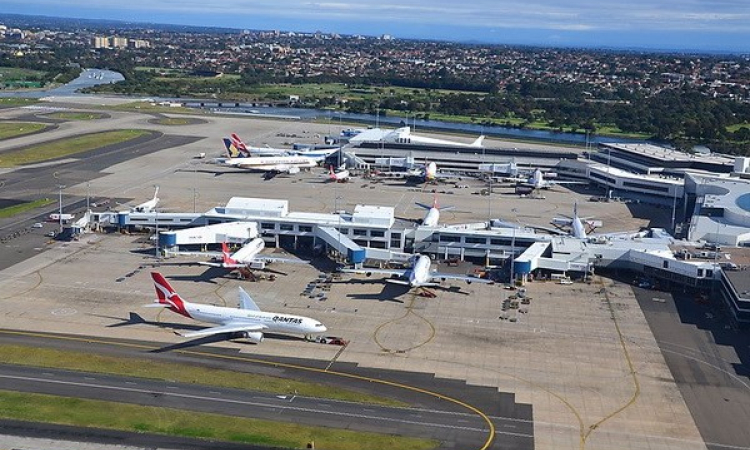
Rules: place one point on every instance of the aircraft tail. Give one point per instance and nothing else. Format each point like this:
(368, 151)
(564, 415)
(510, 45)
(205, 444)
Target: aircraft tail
(232, 151)
(226, 254)
(478, 142)
(238, 143)
(156, 194)
(167, 296)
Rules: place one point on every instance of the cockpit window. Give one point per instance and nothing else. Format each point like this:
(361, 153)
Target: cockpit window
(318, 325)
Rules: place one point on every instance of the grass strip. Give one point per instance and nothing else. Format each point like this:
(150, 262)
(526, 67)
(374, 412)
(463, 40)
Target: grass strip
(135, 418)
(13, 129)
(67, 147)
(182, 373)
(173, 121)
(75, 116)
(11, 211)
(13, 102)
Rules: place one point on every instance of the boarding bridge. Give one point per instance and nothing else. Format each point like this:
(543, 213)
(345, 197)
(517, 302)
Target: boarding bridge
(231, 233)
(354, 161)
(341, 244)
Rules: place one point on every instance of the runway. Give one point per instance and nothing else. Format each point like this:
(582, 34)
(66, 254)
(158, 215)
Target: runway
(432, 417)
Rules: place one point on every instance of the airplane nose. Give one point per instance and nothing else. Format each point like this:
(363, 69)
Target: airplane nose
(323, 329)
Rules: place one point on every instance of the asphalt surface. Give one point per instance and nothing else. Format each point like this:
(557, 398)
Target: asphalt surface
(708, 359)
(32, 183)
(433, 417)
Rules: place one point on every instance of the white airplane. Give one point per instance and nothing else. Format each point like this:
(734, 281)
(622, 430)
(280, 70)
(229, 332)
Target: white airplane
(577, 224)
(404, 136)
(419, 275)
(432, 218)
(241, 149)
(148, 206)
(274, 164)
(247, 321)
(248, 257)
(537, 181)
(245, 150)
(340, 176)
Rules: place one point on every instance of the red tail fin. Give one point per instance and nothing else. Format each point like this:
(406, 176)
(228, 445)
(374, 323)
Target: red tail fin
(238, 142)
(226, 254)
(435, 202)
(167, 295)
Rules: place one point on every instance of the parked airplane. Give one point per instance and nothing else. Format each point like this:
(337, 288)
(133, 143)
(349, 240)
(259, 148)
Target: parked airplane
(537, 181)
(247, 321)
(271, 164)
(318, 154)
(433, 213)
(248, 257)
(577, 224)
(339, 176)
(404, 136)
(246, 150)
(419, 275)
(148, 206)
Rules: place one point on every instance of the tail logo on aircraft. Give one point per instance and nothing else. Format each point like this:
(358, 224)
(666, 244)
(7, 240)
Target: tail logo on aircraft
(168, 296)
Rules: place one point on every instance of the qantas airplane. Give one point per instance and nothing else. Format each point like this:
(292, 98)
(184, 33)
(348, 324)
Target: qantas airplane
(244, 150)
(248, 257)
(339, 176)
(247, 321)
(419, 275)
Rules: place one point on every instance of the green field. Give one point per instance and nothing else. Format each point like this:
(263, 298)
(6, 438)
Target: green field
(144, 368)
(733, 128)
(11, 211)
(13, 129)
(153, 107)
(68, 147)
(173, 121)
(75, 116)
(17, 74)
(14, 102)
(119, 416)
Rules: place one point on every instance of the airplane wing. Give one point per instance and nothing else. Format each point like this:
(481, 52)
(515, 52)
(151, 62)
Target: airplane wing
(226, 328)
(399, 272)
(273, 259)
(223, 265)
(456, 276)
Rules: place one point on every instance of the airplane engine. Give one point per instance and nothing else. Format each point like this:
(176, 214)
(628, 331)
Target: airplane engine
(293, 170)
(255, 337)
(368, 274)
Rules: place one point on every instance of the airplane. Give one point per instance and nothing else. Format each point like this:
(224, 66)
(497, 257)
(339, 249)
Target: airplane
(340, 176)
(248, 257)
(403, 136)
(318, 154)
(433, 213)
(269, 164)
(248, 151)
(148, 206)
(577, 224)
(419, 275)
(537, 181)
(247, 321)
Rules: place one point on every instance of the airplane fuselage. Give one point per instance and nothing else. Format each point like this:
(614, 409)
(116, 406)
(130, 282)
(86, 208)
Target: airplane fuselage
(420, 272)
(272, 322)
(432, 218)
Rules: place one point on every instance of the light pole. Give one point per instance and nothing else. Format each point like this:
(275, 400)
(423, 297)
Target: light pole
(88, 196)
(59, 215)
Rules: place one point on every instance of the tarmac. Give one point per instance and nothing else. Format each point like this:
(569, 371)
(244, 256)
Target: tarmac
(582, 361)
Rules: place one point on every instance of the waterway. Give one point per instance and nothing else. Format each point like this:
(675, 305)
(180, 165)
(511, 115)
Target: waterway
(93, 77)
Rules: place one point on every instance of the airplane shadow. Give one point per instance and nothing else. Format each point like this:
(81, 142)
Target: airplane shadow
(217, 338)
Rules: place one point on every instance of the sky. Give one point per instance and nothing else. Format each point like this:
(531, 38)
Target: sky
(704, 25)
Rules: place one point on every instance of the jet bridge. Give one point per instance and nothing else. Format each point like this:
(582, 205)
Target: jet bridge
(341, 243)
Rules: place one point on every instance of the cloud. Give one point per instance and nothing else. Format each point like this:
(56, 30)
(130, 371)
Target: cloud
(718, 16)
